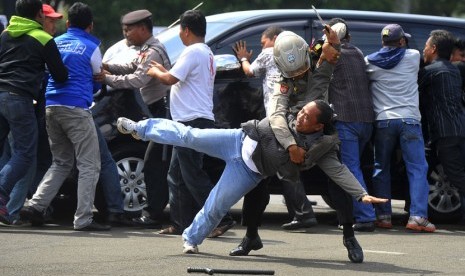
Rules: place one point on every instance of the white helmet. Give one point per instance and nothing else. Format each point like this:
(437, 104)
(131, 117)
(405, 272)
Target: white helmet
(291, 55)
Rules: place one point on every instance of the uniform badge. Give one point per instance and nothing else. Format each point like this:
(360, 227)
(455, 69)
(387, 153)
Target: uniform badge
(291, 58)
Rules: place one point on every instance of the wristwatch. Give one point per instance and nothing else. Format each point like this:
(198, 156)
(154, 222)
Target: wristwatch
(244, 59)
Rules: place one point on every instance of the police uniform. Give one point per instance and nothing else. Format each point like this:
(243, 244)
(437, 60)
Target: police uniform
(134, 76)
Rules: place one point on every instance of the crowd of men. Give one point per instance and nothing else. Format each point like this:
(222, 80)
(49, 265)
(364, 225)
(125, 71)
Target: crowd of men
(46, 124)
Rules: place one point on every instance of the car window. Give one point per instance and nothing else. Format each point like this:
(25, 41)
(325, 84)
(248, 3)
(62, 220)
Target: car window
(252, 35)
(367, 35)
(174, 46)
(364, 35)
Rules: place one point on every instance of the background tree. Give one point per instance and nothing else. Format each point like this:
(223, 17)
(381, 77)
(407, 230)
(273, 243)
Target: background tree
(107, 13)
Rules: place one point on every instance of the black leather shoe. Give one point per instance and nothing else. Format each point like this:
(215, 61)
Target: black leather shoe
(364, 226)
(147, 222)
(119, 219)
(297, 224)
(246, 246)
(28, 213)
(93, 226)
(354, 249)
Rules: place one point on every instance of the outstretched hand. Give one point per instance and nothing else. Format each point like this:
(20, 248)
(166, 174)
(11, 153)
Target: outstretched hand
(241, 50)
(372, 199)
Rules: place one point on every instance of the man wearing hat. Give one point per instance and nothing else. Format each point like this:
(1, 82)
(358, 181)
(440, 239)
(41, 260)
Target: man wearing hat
(25, 51)
(393, 74)
(35, 172)
(137, 28)
(51, 19)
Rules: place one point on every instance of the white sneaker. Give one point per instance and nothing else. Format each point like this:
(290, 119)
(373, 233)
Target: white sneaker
(190, 248)
(126, 126)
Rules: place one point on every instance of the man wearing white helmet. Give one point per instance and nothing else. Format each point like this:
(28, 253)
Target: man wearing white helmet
(300, 85)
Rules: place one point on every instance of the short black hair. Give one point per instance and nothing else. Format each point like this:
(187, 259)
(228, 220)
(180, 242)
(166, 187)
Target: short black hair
(326, 116)
(80, 15)
(444, 41)
(272, 31)
(459, 44)
(28, 8)
(195, 21)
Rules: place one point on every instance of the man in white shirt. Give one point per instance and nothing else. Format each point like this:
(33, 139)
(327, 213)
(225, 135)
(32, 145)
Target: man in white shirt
(191, 103)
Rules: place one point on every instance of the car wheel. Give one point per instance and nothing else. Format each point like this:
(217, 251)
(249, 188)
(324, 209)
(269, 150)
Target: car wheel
(444, 199)
(130, 162)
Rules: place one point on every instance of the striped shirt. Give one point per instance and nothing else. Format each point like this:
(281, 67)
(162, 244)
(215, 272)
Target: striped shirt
(441, 87)
(349, 88)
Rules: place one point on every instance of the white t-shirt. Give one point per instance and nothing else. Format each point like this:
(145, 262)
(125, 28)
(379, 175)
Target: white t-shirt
(120, 53)
(192, 97)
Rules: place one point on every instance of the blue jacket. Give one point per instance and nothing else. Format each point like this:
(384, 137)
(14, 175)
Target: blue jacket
(77, 48)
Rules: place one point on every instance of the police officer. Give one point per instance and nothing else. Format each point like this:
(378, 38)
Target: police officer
(300, 85)
(137, 28)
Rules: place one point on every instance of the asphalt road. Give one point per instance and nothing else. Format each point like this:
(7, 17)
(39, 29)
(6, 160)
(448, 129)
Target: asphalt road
(58, 250)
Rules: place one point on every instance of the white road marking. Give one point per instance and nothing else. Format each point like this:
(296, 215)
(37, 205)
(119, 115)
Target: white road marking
(384, 252)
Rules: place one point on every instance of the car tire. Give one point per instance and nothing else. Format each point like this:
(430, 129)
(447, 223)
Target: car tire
(443, 199)
(129, 159)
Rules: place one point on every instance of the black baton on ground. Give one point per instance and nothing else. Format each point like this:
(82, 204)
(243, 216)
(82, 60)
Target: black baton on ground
(211, 271)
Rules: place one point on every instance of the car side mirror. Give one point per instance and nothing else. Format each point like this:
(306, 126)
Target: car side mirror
(226, 63)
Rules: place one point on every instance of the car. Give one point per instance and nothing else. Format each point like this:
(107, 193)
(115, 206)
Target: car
(238, 98)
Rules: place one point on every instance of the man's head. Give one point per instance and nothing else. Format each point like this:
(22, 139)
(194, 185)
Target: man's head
(458, 53)
(339, 25)
(137, 26)
(193, 26)
(80, 16)
(31, 9)
(269, 36)
(394, 36)
(439, 45)
(51, 19)
(314, 117)
(291, 55)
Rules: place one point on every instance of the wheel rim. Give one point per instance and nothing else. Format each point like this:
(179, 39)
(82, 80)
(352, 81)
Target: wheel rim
(443, 197)
(132, 183)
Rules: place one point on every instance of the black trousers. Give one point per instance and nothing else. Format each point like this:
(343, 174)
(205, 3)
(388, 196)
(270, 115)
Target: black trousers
(156, 168)
(451, 154)
(256, 200)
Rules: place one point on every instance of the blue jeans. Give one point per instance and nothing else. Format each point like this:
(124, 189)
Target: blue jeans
(17, 116)
(189, 185)
(237, 179)
(354, 136)
(109, 177)
(409, 135)
(19, 193)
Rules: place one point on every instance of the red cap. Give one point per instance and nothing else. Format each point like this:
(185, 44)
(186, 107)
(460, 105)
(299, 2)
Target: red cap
(50, 12)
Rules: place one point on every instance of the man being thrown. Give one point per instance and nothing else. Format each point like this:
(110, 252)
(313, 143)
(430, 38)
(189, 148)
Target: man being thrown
(251, 154)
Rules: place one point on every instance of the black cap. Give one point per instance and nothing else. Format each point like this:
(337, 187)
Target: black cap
(135, 16)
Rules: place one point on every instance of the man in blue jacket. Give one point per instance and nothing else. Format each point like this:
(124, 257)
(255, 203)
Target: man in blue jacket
(70, 125)
(25, 48)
